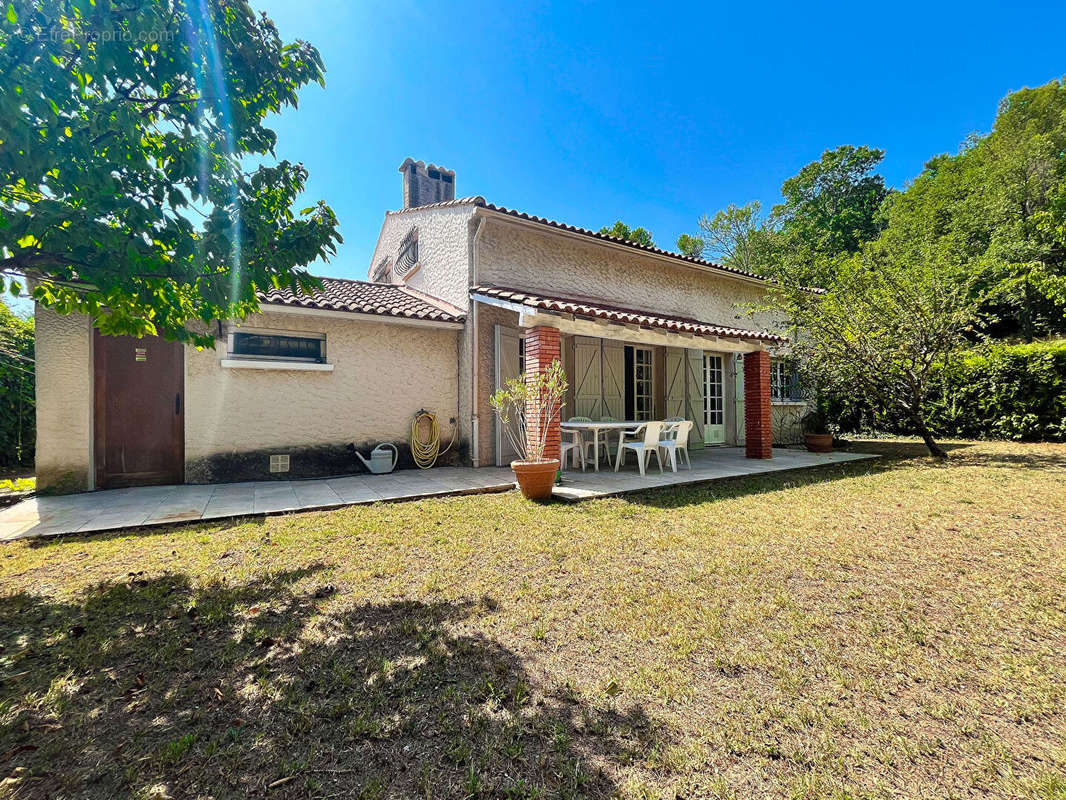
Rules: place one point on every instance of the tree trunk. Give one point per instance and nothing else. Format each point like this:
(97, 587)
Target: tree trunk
(927, 437)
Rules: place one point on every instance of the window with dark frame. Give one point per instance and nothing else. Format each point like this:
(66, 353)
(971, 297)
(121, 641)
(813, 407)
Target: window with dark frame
(783, 386)
(279, 347)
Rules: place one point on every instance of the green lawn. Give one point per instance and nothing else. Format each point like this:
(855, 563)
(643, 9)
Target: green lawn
(895, 629)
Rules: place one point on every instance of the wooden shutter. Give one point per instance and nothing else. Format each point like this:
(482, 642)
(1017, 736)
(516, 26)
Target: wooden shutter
(588, 394)
(614, 380)
(694, 396)
(508, 366)
(738, 398)
(675, 383)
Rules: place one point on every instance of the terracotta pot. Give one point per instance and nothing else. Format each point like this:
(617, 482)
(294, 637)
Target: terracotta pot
(820, 442)
(536, 478)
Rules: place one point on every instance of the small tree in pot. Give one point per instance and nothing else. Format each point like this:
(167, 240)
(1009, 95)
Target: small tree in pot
(816, 432)
(527, 407)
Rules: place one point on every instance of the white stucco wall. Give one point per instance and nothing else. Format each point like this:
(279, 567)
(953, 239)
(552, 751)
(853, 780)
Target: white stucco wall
(443, 250)
(64, 400)
(518, 256)
(383, 373)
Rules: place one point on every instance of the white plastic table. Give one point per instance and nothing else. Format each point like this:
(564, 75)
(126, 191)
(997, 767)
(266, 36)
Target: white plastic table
(597, 426)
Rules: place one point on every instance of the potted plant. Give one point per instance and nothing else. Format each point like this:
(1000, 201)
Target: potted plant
(527, 407)
(816, 432)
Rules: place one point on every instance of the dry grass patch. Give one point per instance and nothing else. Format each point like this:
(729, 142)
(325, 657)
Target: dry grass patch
(886, 630)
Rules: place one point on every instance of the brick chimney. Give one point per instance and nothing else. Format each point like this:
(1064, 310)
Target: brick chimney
(423, 185)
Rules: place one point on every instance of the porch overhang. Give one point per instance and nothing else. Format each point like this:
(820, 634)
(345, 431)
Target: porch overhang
(582, 318)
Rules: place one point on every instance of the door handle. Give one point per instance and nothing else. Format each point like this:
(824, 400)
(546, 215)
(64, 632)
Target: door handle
(177, 403)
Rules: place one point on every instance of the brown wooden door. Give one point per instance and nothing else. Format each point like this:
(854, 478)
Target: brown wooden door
(139, 409)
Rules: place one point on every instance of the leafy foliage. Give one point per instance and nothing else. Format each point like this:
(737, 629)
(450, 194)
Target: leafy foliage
(125, 130)
(17, 421)
(622, 231)
(829, 209)
(691, 246)
(738, 237)
(995, 390)
(879, 330)
(999, 208)
(526, 407)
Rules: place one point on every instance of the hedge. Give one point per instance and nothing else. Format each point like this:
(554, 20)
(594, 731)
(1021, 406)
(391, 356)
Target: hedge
(995, 391)
(17, 415)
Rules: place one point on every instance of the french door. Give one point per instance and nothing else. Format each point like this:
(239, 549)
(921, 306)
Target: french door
(713, 399)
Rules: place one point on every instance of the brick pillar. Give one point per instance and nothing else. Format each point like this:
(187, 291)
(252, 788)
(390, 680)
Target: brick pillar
(542, 348)
(757, 423)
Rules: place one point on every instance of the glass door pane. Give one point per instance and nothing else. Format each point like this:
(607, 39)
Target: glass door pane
(713, 399)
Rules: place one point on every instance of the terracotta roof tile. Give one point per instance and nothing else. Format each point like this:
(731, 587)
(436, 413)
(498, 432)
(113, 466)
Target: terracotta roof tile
(363, 297)
(594, 309)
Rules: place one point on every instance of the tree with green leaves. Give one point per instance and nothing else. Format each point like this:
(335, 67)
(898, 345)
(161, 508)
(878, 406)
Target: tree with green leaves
(738, 237)
(829, 209)
(691, 246)
(126, 133)
(998, 208)
(622, 231)
(831, 206)
(881, 329)
(17, 420)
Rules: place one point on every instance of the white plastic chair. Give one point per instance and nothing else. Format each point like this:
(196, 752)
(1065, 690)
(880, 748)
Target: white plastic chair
(577, 446)
(643, 447)
(605, 440)
(579, 436)
(670, 426)
(675, 440)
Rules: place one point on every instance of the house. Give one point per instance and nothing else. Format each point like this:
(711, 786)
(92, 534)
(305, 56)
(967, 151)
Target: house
(461, 295)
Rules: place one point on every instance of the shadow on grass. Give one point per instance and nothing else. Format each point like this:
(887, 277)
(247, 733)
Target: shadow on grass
(896, 449)
(276, 688)
(755, 484)
(1036, 455)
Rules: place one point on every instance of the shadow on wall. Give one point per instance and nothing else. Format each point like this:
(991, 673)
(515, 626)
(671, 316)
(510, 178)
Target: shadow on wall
(319, 461)
(260, 688)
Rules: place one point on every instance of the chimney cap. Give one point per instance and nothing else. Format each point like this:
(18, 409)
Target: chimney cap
(423, 167)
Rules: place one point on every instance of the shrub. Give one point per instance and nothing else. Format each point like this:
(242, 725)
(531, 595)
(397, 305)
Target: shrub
(17, 418)
(996, 391)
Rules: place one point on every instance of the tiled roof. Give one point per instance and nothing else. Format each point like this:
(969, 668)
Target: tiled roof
(584, 308)
(480, 202)
(363, 297)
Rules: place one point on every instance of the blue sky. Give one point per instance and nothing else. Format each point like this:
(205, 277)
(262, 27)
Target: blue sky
(589, 113)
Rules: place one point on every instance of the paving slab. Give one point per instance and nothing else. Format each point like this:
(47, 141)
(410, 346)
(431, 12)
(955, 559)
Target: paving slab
(131, 508)
(709, 464)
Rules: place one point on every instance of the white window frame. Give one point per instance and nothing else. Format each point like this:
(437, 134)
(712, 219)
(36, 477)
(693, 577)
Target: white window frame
(649, 380)
(713, 404)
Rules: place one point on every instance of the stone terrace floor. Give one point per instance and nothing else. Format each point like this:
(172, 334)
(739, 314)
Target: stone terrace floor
(116, 509)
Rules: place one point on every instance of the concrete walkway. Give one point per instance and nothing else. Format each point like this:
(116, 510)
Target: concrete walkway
(160, 505)
(709, 464)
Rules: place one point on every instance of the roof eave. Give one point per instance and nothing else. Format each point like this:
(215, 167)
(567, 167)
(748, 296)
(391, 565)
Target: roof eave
(675, 259)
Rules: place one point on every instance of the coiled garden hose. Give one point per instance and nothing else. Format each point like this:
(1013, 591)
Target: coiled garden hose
(426, 451)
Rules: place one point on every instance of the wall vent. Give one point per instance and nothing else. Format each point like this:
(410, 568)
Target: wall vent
(279, 463)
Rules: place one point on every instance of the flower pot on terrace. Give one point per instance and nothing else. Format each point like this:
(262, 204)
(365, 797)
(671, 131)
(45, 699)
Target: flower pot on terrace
(819, 442)
(535, 478)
